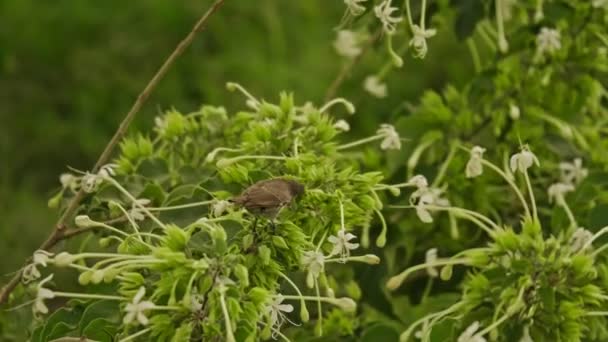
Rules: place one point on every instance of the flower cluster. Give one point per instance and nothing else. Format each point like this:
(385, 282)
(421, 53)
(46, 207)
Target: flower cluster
(519, 274)
(175, 247)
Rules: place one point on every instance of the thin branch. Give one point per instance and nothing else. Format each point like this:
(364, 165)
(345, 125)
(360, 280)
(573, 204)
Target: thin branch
(59, 232)
(346, 69)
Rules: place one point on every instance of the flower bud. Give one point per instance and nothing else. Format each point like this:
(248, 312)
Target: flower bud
(231, 86)
(371, 259)
(84, 221)
(110, 274)
(346, 304)
(222, 163)
(446, 272)
(97, 276)
(85, 277)
(64, 259)
(304, 315)
(104, 242)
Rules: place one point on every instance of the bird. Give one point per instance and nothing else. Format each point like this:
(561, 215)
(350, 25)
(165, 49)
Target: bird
(267, 197)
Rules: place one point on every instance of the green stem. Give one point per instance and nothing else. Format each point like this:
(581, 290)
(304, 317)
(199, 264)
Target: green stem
(137, 334)
(132, 222)
(511, 183)
(422, 14)
(406, 334)
(594, 237)
(531, 193)
(229, 334)
(396, 281)
(87, 296)
(134, 201)
(444, 166)
(182, 206)
(360, 142)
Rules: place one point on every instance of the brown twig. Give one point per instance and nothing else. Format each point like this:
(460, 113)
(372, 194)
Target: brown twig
(60, 232)
(346, 69)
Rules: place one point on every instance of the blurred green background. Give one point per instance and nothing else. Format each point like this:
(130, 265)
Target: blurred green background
(69, 70)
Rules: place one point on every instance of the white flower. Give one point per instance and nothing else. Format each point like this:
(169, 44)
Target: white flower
(431, 257)
(474, 166)
(391, 137)
(523, 160)
(384, 12)
(375, 87)
(427, 196)
(68, 180)
(136, 212)
(314, 262)
(514, 111)
(342, 125)
(469, 334)
(90, 182)
(548, 40)
(346, 44)
(342, 245)
(136, 309)
(557, 192)
(107, 170)
(418, 41)
(275, 310)
(42, 293)
(220, 207)
(31, 272)
(354, 8)
(579, 238)
(599, 3)
(573, 173)
(41, 257)
(419, 181)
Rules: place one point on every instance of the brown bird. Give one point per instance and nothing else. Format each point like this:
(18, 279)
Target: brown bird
(267, 198)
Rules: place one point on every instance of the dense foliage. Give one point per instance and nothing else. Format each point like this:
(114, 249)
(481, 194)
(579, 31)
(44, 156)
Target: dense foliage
(502, 170)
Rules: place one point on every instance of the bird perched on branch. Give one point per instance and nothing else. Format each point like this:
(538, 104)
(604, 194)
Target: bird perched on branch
(267, 198)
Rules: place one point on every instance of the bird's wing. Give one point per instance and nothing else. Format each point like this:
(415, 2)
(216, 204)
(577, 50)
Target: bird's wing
(261, 197)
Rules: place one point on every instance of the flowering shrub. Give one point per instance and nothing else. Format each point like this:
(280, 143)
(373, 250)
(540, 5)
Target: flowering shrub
(174, 256)
(523, 277)
(179, 261)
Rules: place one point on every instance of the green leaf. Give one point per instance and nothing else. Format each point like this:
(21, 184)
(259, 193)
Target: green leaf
(106, 309)
(61, 322)
(100, 329)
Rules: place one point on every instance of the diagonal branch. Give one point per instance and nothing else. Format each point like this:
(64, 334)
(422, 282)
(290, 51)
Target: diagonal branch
(60, 232)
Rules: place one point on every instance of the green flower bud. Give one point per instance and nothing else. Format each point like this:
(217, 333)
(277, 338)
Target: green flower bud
(55, 201)
(104, 242)
(446, 272)
(110, 275)
(97, 276)
(85, 277)
(304, 315)
(84, 221)
(63, 259)
(345, 303)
